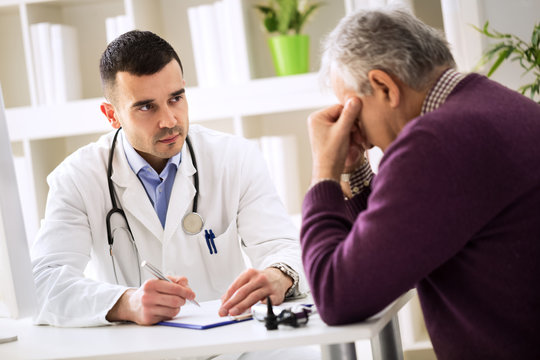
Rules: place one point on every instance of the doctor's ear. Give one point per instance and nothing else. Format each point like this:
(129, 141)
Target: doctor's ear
(384, 87)
(108, 110)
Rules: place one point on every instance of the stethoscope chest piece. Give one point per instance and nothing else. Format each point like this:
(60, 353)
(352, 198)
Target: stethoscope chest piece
(192, 223)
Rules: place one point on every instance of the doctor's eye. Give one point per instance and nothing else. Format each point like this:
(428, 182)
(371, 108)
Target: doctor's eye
(146, 107)
(177, 98)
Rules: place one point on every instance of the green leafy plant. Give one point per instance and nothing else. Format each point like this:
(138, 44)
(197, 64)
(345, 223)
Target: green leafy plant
(511, 46)
(286, 16)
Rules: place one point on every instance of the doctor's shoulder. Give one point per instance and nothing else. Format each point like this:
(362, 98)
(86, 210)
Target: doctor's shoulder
(89, 160)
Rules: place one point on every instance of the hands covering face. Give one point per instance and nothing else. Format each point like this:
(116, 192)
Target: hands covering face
(337, 141)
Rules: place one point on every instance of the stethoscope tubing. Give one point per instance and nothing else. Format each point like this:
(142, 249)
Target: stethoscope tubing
(117, 210)
(195, 175)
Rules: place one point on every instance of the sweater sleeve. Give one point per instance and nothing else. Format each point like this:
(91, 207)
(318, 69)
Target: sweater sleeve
(415, 220)
(358, 203)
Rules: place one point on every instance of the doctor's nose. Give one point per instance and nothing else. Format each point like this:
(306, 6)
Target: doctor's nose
(168, 119)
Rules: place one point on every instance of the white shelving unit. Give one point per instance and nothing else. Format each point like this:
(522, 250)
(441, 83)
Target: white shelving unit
(42, 136)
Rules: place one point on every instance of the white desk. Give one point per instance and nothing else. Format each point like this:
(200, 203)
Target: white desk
(130, 341)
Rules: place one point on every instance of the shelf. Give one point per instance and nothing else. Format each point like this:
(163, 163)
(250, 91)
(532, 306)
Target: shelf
(258, 97)
(43, 135)
(44, 122)
(88, 18)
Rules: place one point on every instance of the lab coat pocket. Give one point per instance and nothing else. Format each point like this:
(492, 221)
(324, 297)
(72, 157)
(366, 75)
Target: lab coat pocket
(222, 255)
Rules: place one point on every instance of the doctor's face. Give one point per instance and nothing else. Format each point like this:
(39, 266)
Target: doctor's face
(153, 111)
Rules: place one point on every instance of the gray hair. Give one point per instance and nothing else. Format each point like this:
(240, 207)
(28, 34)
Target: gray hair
(393, 41)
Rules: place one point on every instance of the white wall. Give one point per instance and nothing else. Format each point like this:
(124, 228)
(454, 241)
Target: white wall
(517, 17)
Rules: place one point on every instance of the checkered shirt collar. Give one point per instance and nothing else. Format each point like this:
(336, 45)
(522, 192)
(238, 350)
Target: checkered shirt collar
(440, 91)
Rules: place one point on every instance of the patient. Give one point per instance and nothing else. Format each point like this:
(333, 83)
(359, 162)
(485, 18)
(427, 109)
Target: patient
(454, 210)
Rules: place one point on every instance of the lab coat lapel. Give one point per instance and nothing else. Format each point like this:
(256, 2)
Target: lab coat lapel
(182, 195)
(132, 195)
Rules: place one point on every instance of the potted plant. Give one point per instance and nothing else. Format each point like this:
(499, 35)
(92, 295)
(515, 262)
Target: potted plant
(528, 55)
(284, 20)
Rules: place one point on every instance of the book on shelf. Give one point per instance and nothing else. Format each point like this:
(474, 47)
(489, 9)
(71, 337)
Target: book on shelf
(224, 36)
(56, 63)
(111, 29)
(372, 4)
(234, 16)
(39, 80)
(116, 26)
(44, 60)
(198, 53)
(281, 156)
(65, 62)
(219, 41)
(210, 38)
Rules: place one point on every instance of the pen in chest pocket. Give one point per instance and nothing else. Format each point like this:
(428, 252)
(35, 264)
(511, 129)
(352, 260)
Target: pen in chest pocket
(157, 273)
(209, 236)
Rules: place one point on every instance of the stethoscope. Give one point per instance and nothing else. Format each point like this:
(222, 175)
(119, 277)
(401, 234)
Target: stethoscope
(192, 223)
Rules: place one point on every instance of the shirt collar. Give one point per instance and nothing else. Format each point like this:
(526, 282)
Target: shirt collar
(440, 91)
(136, 161)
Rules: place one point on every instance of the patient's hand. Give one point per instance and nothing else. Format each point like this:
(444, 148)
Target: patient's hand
(336, 140)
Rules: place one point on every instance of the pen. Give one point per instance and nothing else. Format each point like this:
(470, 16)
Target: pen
(155, 271)
(209, 236)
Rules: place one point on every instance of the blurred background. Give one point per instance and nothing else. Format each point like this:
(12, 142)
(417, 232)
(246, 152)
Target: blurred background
(50, 50)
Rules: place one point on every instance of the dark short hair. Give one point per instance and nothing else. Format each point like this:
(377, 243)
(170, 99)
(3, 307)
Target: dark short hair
(136, 52)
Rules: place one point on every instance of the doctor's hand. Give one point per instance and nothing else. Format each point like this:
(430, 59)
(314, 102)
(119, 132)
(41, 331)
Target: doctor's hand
(154, 301)
(251, 287)
(337, 142)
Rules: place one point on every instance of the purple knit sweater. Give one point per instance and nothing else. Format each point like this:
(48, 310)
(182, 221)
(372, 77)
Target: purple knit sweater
(455, 212)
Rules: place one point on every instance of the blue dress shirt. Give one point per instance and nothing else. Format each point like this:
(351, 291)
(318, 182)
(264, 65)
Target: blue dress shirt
(158, 186)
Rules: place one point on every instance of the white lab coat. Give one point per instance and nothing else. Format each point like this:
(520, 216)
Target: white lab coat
(236, 199)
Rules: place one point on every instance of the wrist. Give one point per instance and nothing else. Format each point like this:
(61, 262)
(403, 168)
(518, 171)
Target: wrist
(291, 276)
(285, 281)
(319, 175)
(121, 310)
(325, 173)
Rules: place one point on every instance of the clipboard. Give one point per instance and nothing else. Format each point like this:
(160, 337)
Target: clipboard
(205, 317)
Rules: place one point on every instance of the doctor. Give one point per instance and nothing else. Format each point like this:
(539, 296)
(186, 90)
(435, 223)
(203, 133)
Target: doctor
(143, 192)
